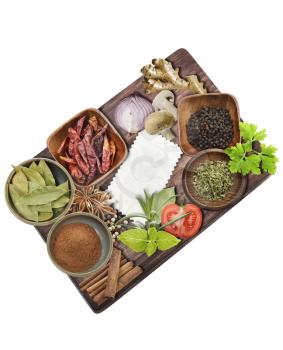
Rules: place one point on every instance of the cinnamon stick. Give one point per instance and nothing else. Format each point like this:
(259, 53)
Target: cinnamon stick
(113, 273)
(123, 282)
(96, 277)
(123, 270)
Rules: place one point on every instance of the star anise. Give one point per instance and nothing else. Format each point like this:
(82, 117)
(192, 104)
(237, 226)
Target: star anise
(92, 200)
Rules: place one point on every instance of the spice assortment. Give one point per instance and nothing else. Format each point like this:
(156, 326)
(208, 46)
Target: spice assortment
(141, 205)
(87, 150)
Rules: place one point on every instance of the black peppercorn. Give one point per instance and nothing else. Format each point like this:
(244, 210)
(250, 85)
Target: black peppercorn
(210, 127)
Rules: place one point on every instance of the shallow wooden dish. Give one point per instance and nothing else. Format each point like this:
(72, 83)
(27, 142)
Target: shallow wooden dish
(234, 195)
(57, 137)
(190, 104)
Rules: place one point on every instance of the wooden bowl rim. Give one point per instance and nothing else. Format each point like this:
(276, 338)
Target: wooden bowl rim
(191, 97)
(103, 116)
(238, 196)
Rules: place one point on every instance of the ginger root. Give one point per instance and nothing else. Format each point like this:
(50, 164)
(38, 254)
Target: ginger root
(160, 75)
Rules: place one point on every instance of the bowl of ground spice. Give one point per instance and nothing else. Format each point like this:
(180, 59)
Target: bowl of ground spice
(208, 182)
(208, 121)
(79, 244)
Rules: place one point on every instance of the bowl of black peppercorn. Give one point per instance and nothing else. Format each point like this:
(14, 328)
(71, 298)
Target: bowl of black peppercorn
(208, 121)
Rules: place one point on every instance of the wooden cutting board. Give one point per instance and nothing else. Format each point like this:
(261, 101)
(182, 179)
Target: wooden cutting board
(181, 58)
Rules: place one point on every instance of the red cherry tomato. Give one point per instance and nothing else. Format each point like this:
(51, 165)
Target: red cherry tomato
(185, 227)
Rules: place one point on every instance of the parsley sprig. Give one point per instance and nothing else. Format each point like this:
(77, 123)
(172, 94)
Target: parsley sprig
(245, 159)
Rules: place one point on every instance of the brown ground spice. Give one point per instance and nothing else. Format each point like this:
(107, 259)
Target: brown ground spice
(76, 247)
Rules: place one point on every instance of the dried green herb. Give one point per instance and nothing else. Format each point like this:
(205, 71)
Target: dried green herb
(46, 173)
(20, 182)
(212, 180)
(42, 195)
(28, 212)
(34, 192)
(31, 174)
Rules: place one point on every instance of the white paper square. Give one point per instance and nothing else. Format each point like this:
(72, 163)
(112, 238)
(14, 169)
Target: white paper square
(149, 165)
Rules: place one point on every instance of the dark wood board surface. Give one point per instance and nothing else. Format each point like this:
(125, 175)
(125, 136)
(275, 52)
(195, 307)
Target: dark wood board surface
(181, 58)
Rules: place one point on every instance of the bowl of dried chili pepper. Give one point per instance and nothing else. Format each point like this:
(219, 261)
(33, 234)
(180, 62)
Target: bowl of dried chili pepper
(88, 146)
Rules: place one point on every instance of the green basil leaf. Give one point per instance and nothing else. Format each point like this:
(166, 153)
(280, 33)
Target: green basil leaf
(42, 195)
(162, 198)
(26, 211)
(136, 239)
(150, 248)
(152, 233)
(47, 174)
(166, 241)
(20, 182)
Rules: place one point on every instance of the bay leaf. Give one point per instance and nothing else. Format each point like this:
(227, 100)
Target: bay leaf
(26, 211)
(46, 173)
(20, 182)
(35, 167)
(42, 195)
(47, 208)
(45, 216)
(33, 186)
(31, 174)
(64, 186)
(61, 202)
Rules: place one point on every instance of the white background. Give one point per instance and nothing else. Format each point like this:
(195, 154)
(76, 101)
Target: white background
(225, 289)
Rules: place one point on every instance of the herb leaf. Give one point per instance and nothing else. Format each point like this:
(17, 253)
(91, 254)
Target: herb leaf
(135, 239)
(166, 241)
(245, 160)
(150, 248)
(160, 199)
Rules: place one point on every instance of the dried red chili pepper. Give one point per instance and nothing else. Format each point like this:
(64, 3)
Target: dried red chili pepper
(113, 150)
(77, 174)
(91, 155)
(93, 122)
(73, 135)
(81, 164)
(63, 145)
(80, 125)
(68, 160)
(106, 154)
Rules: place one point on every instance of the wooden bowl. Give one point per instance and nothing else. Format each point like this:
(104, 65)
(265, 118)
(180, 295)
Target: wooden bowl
(190, 104)
(234, 195)
(57, 137)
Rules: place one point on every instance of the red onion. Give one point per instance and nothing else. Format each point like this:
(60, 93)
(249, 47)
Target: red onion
(131, 112)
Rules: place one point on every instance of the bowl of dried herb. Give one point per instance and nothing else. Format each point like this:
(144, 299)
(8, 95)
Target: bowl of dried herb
(39, 191)
(208, 182)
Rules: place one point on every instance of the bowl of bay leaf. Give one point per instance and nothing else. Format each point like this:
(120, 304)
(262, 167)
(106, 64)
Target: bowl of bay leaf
(39, 191)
